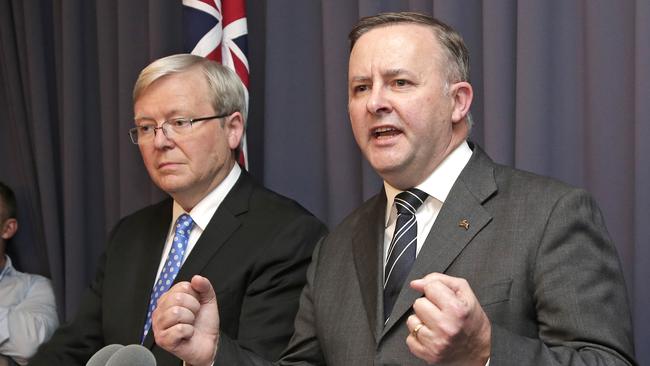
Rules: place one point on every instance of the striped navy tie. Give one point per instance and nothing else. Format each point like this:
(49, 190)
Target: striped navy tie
(402, 249)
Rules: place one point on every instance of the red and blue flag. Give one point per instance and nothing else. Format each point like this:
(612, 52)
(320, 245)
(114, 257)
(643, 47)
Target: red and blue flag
(217, 29)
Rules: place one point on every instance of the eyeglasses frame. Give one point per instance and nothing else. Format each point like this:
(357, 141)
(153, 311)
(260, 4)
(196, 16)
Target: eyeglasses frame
(134, 130)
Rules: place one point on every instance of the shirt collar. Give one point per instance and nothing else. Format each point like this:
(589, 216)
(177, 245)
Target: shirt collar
(204, 210)
(439, 183)
(8, 268)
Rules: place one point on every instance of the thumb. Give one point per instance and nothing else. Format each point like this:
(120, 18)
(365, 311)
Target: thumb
(418, 285)
(204, 289)
(454, 283)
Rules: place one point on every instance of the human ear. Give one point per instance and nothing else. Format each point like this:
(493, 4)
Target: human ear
(9, 228)
(462, 95)
(234, 129)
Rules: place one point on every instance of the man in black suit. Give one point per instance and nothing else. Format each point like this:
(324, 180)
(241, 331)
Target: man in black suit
(457, 260)
(252, 244)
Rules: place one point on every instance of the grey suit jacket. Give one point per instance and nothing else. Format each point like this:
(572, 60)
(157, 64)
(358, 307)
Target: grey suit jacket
(536, 254)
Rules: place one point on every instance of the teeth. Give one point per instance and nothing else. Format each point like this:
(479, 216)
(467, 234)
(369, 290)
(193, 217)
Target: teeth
(380, 131)
(383, 129)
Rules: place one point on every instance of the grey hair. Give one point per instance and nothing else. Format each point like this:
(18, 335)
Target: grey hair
(225, 89)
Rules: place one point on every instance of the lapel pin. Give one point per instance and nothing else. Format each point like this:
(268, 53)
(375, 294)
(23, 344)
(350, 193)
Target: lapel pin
(464, 224)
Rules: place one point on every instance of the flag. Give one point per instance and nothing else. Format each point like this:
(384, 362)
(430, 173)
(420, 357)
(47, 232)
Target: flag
(217, 29)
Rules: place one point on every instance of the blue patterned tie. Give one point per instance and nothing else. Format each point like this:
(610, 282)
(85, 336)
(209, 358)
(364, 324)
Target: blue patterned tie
(402, 249)
(173, 263)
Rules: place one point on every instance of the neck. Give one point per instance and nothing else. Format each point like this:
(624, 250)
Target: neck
(191, 198)
(3, 260)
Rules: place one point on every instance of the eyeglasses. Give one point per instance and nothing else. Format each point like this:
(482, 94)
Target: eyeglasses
(145, 133)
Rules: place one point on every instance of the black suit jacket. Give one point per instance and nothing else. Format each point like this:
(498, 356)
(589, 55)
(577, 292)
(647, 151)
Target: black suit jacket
(254, 251)
(536, 254)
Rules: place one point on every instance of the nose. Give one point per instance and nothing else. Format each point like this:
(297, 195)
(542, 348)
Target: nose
(160, 139)
(378, 102)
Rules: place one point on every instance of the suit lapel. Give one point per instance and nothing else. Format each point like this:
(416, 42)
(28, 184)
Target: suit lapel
(148, 263)
(448, 237)
(223, 224)
(366, 248)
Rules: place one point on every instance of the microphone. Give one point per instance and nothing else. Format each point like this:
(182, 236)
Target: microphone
(133, 354)
(101, 357)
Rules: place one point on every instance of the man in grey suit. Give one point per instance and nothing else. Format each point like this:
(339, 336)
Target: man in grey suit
(480, 264)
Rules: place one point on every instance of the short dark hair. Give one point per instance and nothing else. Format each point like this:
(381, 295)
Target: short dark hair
(9, 199)
(451, 41)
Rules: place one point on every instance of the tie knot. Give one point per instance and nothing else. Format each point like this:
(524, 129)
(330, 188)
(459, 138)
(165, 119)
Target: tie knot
(184, 224)
(409, 201)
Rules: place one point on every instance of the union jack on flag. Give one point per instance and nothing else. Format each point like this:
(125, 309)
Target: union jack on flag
(217, 29)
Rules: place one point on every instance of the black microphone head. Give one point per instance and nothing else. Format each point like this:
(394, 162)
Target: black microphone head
(101, 357)
(133, 354)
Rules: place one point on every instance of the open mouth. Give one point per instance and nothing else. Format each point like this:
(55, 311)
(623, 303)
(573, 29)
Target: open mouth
(384, 132)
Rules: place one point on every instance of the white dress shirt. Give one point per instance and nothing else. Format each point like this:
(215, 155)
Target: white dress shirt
(437, 186)
(201, 215)
(27, 312)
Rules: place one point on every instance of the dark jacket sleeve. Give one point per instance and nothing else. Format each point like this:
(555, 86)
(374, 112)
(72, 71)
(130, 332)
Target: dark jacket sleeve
(303, 348)
(271, 299)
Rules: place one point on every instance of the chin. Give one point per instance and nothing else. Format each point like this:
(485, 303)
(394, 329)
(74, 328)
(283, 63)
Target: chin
(171, 185)
(388, 165)
(389, 174)
(396, 175)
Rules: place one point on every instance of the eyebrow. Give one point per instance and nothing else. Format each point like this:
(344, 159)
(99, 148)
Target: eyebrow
(387, 73)
(174, 112)
(396, 72)
(356, 79)
(143, 118)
